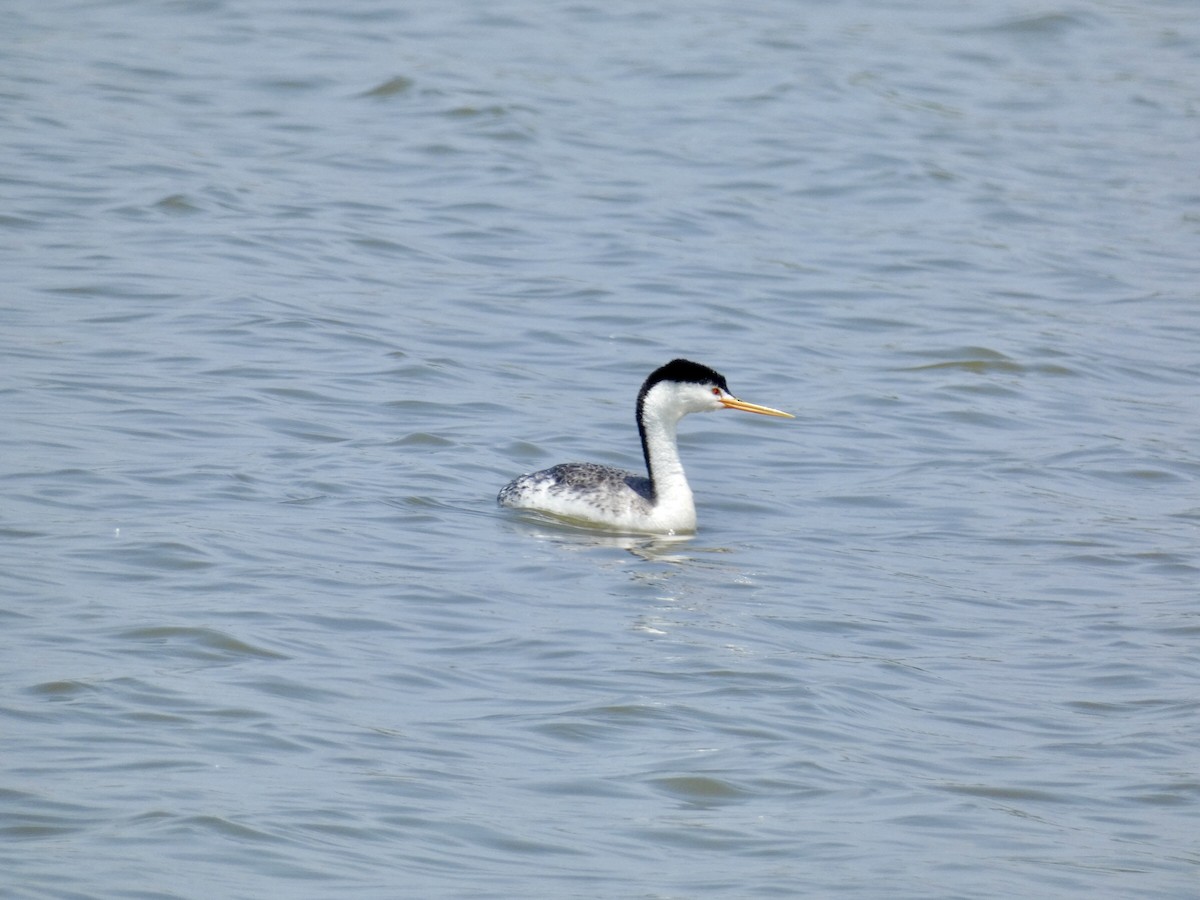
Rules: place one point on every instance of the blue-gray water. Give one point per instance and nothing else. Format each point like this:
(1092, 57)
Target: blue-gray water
(290, 290)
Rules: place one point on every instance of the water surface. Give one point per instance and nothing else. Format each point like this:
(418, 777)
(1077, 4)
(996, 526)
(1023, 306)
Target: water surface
(291, 291)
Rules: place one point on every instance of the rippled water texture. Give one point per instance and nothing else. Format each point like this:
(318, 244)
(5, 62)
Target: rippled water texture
(291, 290)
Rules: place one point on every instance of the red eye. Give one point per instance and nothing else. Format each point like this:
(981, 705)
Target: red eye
(716, 392)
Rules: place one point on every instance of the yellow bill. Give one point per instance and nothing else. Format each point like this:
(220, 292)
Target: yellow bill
(734, 403)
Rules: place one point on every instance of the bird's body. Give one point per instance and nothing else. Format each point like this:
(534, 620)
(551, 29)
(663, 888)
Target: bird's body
(625, 501)
(591, 492)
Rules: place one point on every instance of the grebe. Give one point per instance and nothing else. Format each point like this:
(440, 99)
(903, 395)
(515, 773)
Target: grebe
(614, 498)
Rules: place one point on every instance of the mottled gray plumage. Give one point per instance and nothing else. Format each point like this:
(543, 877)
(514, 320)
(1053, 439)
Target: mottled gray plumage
(610, 491)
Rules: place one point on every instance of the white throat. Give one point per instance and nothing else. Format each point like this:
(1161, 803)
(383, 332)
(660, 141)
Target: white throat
(660, 415)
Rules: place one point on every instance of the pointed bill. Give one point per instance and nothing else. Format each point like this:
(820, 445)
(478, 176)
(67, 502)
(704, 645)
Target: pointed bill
(734, 403)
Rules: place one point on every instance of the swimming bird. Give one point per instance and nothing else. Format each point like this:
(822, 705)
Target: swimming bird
(617, 499)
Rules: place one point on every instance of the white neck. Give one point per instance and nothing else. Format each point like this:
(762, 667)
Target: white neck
(659, 419)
